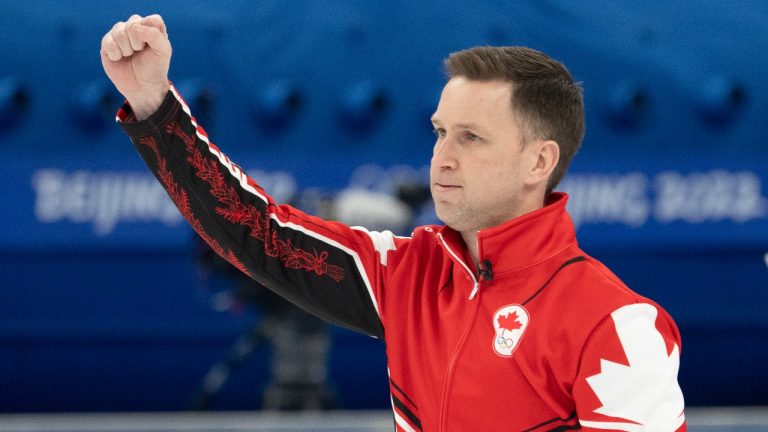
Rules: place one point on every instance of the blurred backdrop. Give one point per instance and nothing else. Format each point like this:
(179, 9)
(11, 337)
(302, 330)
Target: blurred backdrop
(108, 303)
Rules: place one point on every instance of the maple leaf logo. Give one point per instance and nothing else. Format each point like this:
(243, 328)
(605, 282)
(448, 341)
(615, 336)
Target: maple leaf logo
(509, 321)
(509, 324)
(646, 391)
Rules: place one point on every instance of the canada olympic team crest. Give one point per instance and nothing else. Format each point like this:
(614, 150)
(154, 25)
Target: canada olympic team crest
(510, 323)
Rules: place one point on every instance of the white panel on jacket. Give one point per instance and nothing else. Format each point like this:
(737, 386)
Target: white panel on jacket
(646, 392)
(383, 242)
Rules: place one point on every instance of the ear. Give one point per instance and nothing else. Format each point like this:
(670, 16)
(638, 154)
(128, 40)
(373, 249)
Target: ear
(546, 154)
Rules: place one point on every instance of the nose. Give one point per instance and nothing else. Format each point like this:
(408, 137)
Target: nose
(444, 154)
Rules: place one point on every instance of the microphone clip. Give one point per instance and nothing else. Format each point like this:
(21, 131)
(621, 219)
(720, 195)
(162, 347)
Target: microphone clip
(485, 270)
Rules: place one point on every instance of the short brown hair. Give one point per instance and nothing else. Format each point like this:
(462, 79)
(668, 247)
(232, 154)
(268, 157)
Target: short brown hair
(550, 104)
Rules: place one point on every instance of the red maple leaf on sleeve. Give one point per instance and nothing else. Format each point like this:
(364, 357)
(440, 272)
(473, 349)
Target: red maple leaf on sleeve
(509, 321)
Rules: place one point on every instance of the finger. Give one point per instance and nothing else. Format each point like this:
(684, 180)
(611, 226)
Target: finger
(157, 22)
(121, 37)
(110, 49)
(157, 41)
(136, 44)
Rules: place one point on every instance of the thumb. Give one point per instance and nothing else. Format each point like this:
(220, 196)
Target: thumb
(156, 40)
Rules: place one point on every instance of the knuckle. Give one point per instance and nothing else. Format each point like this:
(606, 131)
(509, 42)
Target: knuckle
(119, 38)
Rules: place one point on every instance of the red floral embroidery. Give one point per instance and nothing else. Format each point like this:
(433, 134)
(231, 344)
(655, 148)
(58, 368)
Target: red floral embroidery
(232, 258)
(180, 198)
(235, 211)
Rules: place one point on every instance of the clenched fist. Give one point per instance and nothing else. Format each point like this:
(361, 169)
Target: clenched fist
(136, 56)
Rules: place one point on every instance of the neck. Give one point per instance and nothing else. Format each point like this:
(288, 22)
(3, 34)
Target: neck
(470, 239)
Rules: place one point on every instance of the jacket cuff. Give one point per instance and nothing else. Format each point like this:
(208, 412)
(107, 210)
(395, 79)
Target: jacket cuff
(154, 122)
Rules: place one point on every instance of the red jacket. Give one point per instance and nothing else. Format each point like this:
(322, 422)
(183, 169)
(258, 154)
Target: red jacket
(546, 338)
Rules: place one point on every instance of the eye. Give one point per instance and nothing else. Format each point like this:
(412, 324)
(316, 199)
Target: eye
(469, 136)
(439, 132)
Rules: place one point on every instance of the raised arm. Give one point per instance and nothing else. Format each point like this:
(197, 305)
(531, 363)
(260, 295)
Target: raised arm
(327, 268)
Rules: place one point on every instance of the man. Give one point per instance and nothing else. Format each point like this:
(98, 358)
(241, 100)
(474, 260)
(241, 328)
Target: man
(496, 321)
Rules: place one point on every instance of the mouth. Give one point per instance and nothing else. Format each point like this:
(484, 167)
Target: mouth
(441, 187)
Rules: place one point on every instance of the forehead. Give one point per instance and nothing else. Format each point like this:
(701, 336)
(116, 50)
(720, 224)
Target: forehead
(467, 100)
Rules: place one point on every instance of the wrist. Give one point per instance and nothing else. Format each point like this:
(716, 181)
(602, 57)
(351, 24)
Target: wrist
(147, 103)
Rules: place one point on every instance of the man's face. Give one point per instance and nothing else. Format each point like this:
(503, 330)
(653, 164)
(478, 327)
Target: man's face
(477, 169)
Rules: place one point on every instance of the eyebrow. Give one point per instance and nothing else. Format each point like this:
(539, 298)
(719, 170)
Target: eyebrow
(472, 126)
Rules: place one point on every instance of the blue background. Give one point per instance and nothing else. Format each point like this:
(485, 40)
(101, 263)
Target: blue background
(101, 303)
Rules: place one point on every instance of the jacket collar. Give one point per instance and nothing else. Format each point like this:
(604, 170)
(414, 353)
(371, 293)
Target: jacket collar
(523, 241)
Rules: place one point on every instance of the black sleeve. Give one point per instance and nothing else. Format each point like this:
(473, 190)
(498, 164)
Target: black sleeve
(326, 268)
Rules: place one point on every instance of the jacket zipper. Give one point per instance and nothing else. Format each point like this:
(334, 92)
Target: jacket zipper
(476, 284)
(460, 344)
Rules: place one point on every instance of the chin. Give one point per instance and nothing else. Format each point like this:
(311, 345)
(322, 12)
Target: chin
(454, 224)
(453, 220)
